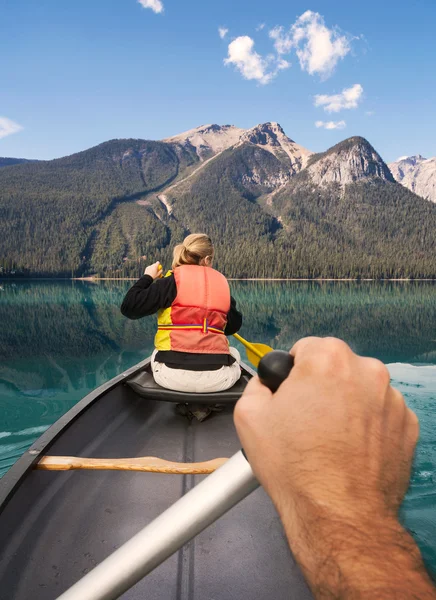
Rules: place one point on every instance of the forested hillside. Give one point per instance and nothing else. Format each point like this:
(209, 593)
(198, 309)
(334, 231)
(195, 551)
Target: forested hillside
(7, 162)
(125, 203)
(55, 215)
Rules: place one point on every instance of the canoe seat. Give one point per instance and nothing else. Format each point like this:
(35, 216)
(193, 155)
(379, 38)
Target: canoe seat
(144, 385)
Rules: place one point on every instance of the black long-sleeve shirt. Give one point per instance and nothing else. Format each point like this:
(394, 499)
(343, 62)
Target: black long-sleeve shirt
(146, 297)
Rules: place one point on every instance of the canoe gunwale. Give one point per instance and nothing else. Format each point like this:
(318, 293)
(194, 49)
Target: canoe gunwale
(12, 479)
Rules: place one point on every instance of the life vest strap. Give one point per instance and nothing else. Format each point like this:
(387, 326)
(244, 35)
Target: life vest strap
(204, 327)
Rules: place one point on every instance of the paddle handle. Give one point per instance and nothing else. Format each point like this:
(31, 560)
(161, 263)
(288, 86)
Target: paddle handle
(274, 368)
(248, 345)
(185, 519)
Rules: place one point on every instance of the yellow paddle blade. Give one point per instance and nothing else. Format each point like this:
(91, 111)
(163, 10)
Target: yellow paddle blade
(254, 351)
(255, 358)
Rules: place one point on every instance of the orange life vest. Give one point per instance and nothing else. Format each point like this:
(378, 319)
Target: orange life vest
(196, 320)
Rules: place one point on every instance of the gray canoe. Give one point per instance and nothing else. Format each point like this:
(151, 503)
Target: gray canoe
(55, 526)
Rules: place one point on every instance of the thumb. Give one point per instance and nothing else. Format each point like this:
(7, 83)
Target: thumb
(249, 409)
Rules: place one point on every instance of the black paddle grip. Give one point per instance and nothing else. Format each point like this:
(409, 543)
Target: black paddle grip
(274, 367)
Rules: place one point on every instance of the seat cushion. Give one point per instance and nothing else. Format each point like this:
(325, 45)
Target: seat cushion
(144, 384)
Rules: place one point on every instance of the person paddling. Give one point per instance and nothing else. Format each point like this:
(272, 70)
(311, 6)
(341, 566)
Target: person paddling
(195, 314)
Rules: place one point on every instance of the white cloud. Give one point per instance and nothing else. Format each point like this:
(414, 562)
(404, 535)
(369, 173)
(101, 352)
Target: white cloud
(252, 65)
(283, 42)
(155, 5)
(8, 127)
(348, 98)
(282, 64)
(370, 113)
(331, 124)
(319, 49)
(223, 31)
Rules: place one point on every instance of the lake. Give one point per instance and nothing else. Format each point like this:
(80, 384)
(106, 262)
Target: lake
(59, 340)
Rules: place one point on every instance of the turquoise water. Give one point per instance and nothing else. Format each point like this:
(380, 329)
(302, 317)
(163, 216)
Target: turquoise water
(60, 340)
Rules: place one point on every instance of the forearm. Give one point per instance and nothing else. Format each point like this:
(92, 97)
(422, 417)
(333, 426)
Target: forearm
(136, 302)
(147, 297)
(355, 558)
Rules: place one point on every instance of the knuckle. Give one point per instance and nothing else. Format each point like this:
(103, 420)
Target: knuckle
(380, 373)
(413, 419)
(334, 354)
(413, 426)
(336, 348)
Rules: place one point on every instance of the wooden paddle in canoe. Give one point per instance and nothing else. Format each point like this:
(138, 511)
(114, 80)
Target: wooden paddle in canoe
(149, 464)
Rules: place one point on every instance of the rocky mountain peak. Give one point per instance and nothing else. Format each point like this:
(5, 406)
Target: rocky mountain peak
(208, 140)
(265, 134)
(271, 137)
(416, 173)
(347, 162)
(412, 160)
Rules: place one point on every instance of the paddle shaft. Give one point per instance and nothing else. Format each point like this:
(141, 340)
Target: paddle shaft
(185, 519)
(248, 345)
(148, 464)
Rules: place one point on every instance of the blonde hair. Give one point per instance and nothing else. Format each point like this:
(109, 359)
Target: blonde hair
(194, 248)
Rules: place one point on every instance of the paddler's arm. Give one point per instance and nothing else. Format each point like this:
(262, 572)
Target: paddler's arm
(234, 319)
(333, 447)
(146, 298)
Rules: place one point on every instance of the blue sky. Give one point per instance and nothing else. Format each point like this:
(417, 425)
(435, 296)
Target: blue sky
(74, 74)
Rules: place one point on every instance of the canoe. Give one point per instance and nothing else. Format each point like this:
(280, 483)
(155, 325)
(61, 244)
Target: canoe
(56, 526)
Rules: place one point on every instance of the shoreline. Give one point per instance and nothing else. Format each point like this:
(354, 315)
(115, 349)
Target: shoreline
(315, 279)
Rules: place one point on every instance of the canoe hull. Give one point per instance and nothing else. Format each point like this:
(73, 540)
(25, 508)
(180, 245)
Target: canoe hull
(57, 526)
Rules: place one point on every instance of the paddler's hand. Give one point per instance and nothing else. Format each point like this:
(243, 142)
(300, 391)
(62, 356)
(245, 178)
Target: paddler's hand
(154, 270)
(333, 447)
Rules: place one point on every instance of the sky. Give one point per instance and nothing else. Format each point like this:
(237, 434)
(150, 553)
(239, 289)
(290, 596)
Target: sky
(75, 74)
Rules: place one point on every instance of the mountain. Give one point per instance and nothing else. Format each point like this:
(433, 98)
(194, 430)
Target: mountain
(208, 140)
(356, 207)
(7, 162)
(272, 208)
(416, 173)
(349, 161)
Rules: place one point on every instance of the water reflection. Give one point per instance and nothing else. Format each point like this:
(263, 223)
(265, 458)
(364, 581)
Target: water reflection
(60, 340)
(391, 321)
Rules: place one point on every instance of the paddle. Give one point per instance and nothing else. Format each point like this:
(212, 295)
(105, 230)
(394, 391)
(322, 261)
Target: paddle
(149, 464)
(254, 351)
